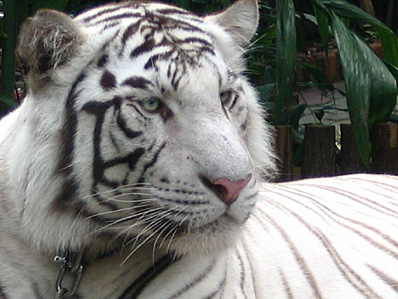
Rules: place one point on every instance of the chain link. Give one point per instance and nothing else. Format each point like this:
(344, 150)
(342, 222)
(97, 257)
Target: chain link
(61, 294)
(69, 262)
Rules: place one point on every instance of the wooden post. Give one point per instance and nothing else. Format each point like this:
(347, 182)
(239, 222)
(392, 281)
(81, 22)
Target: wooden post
(320, 151)
(284, 146)
(385, 148)
(350, 160)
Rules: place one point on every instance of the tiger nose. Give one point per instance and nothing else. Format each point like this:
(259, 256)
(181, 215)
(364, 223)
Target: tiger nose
(228, 190)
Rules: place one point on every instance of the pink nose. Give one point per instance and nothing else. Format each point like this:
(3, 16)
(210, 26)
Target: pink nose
(230, 190)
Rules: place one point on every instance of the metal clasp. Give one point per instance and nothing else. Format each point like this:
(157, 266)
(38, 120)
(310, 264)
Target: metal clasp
(69, 262)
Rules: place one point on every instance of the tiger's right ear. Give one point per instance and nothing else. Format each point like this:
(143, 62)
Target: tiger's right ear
(240, 20)
(46, 40)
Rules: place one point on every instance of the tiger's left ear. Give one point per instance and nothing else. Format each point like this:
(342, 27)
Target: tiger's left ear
(240, 20)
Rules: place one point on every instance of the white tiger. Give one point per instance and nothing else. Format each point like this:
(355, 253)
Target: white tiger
(138, 156)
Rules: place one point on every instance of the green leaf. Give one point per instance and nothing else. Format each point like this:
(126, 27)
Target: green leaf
(6, 102)
(393, 69)
(268, 37)
(390, 45)
(350, 11)
(182, 3)
(323, 28)
(294, 115)
(285, 55)
(387, 37)
(358, 84)
(265, 92)
(371, 89)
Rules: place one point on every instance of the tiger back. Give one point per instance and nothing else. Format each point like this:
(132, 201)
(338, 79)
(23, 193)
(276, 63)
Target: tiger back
(137, 161)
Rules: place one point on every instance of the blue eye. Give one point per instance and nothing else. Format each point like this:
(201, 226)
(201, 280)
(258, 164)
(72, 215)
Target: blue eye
(151, 104)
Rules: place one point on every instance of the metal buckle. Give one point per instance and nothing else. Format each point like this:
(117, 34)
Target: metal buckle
(69, 262)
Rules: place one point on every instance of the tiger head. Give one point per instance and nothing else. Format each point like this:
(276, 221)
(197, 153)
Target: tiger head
(143, 126)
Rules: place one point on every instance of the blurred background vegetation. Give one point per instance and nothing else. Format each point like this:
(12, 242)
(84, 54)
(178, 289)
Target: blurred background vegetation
(288, 30)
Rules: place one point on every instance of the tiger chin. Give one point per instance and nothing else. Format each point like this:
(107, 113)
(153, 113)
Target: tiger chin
(139, 133)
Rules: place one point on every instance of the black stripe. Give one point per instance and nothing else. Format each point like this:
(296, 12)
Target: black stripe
(3, 293)
(109, 183)
(97, 15)
(99, 164)
(194, 40)
(66, 199)
(103, 61)
(252, 195)
(286, 286)
(69, 130)
(187, 26)
(220, 289)
(364, 225)
(108, 10)
(151, 62)
(108, 80)
(131, 159)
(173, 11)
(255, 280)
(99, 110)
(342, 266)
(137, 82)
(136, 109)
(101, 200)
(305, 270)
(366, 201)
(147, 46)
(138, 286)
(154, 58)
(242, 273)
(110, 25)
(392, 282)
(131, 30)
(177, 75)
(121, 122)
(183, 202)
(195, 281)
(151, 163)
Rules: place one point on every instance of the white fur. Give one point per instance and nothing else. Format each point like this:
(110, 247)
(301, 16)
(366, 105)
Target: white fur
(220, 253)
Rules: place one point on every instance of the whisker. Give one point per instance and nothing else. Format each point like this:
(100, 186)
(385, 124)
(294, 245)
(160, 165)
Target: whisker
(164, 227)
(131, 193)
(145, 241)
(131, 200)
(124, 219)
(172, 238)
(110, 212)
(132, 187)
(143, 204)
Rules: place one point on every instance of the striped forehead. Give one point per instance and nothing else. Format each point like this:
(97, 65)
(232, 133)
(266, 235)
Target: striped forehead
(149, 36)
(134, 29)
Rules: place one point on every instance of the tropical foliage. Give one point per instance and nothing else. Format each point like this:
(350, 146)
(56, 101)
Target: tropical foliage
(371, 87)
